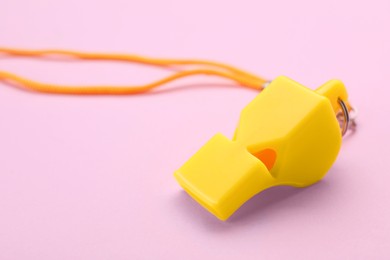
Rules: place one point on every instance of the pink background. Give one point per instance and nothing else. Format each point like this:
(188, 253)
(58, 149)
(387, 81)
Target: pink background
(91, 177)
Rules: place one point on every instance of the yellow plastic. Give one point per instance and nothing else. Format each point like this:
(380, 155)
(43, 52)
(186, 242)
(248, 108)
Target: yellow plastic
(288, 135)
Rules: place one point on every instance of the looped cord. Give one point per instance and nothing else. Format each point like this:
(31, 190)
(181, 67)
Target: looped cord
(241, 77)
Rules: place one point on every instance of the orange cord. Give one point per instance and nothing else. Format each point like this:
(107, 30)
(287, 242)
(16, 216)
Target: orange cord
(210, 68)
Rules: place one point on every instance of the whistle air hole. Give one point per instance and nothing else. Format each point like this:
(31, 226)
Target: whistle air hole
(267, 156)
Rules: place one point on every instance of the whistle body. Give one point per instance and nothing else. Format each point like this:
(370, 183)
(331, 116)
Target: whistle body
(288, 135)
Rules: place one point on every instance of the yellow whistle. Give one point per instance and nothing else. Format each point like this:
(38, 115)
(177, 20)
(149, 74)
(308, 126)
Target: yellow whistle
(288, 135)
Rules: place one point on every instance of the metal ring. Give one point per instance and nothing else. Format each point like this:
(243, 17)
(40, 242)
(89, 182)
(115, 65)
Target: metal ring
(346, 116)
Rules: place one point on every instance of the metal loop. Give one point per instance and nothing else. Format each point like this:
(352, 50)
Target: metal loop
(346, 117)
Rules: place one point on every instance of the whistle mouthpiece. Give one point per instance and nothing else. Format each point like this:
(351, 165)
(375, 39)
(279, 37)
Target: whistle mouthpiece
(222, 175)
(288, 135)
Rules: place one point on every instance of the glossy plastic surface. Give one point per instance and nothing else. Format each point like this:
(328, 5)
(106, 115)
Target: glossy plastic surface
(288, 135)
